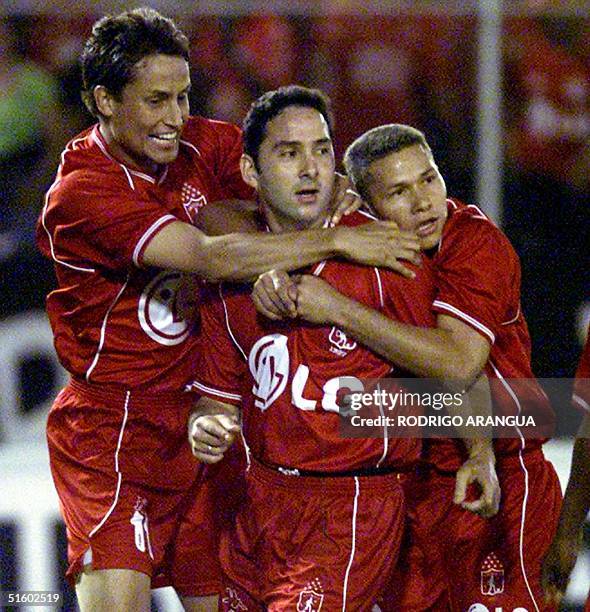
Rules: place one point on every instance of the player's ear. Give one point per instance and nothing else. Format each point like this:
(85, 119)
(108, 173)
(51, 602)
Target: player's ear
(249, 171)
(104, 100)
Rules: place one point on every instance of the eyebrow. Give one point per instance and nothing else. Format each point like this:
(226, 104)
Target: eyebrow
(160, 92)
(404, 183)
(294, 143)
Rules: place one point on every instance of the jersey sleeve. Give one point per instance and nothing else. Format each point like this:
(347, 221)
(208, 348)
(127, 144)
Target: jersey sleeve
(581, 396)
(478, 277)
(220, 365)
(96, 223)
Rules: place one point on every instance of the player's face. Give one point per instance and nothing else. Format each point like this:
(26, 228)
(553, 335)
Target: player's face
(406, 187)
(295, 173)
(143, 127)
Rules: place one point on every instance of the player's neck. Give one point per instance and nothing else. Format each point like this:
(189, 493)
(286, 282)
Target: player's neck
(279, 224)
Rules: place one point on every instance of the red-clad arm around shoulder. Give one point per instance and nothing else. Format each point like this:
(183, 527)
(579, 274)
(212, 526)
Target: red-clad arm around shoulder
(244, 256)
(452, 351)
(478, 285)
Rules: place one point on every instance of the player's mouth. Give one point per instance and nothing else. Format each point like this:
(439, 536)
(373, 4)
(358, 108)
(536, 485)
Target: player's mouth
(427, 227)
(308, 195)
(166, 139)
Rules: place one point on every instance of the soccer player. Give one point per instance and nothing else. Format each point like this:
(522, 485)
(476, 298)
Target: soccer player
(561, 556)
(494, 561)
(322, 523)
(457, 558)
(118, 224)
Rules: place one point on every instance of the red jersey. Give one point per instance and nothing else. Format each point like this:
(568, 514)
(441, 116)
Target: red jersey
(114, 321)
(478, 282)
(581, 396)
(286, 374)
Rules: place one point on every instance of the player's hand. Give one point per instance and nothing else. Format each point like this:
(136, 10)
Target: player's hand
(211, 435)
(479, 469)
(275, 295)
(379, 243)
(317, 301)
(345, 199)
(558, 565)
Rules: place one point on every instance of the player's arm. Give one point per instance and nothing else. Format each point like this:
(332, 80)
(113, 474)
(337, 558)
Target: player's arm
(480, 467)
(212, 428)
(561, 556)
(229, 216)
(420, 351)
(243, 256)
(452, 352)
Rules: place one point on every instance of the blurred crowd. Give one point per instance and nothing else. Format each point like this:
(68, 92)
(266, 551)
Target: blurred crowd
(405, 68)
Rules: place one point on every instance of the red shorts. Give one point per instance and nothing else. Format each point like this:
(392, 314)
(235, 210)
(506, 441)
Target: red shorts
(311, 543)
(455, 559)
(131, 493)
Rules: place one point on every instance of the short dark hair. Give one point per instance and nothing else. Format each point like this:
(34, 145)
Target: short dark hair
(271, 104)
(118, 42)
(377, 144)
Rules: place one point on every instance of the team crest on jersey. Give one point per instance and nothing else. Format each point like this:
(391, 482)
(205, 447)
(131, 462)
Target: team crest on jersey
(492, 575)
(269, 366)
(166, 310)
(341, 345)
(192, 200)
(311, 597)
(231, 601)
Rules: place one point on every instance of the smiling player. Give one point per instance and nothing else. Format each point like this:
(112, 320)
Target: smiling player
(118, 223)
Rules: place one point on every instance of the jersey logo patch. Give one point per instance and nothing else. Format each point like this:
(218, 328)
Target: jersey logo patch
(269, 366)
(192, 201)
(165, 316)
(341, 345)
(492, 575)
(311, 597)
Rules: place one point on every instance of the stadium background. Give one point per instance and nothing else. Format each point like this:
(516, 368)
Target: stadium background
(481, 78)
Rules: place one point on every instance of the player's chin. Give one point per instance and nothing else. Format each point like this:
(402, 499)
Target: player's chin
(429, 242)
(166, 156)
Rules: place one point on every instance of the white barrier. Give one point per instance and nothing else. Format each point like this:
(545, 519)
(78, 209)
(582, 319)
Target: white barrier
(22, 337)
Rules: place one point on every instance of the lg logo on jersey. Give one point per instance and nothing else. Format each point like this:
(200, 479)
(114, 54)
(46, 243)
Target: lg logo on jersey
(477, 607)
(269, 365)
